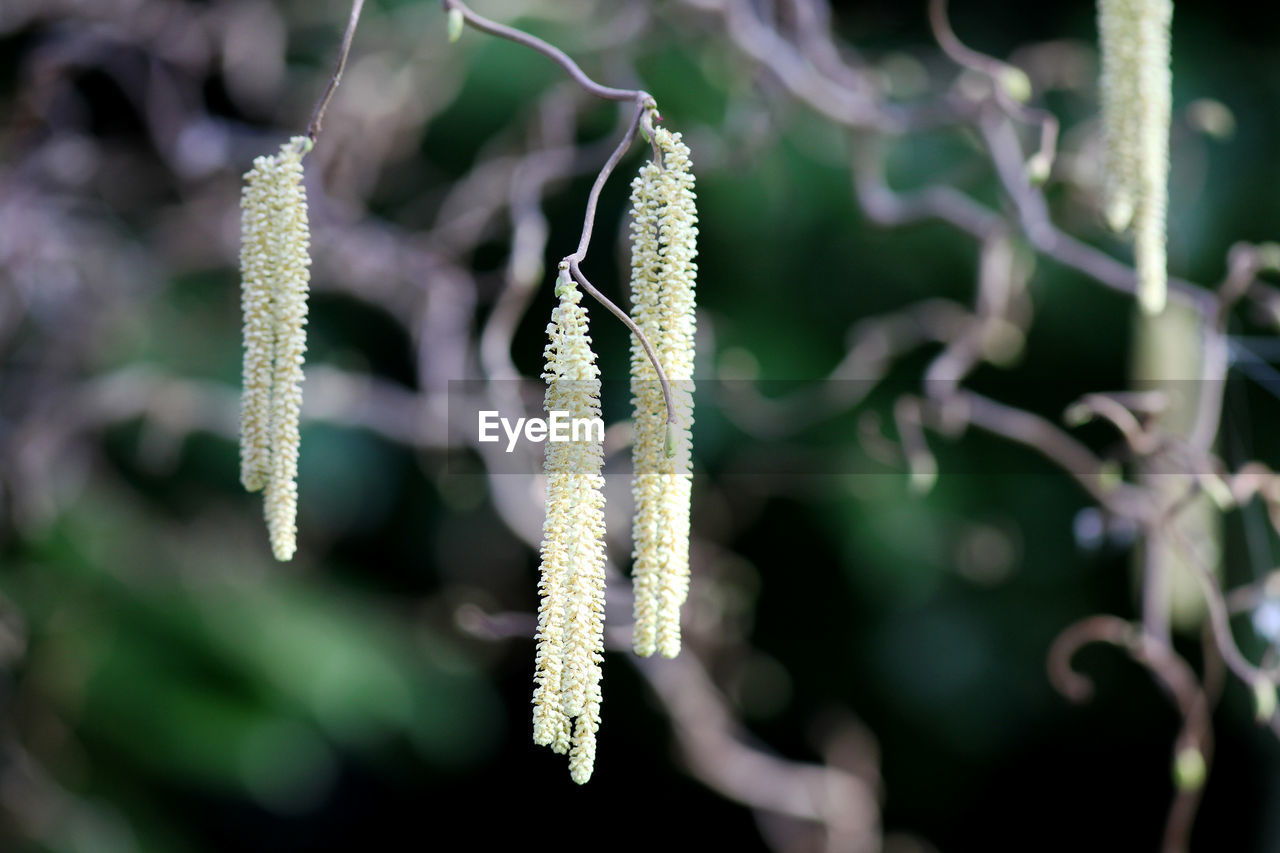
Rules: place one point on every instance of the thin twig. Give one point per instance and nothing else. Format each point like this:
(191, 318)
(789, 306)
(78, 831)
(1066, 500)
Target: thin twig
(1107, 407)
(317, 114)
(1178, 679)
(1220, 619)
(1243, 264)
(557, 55)
(713, 744)
(593, 198)
(644, 106)
(591, 291)
(1059, 447)
(998, 71)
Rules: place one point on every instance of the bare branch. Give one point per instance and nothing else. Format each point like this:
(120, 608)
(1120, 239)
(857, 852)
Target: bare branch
(557, 55)
(1194, 744)
(317, 114)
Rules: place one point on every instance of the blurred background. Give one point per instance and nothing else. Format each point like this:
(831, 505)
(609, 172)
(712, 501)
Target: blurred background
(864, 665)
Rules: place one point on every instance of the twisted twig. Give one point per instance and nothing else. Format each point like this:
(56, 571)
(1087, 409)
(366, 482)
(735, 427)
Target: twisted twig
(1194, 744)
(644, 106)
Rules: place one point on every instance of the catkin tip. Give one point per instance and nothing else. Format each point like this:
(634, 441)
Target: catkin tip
(1136, 95)
(1152, 298)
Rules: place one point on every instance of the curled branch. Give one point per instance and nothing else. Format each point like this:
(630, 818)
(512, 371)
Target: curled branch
(1194, 744)
(715, 749)
(493, 28)
(1010, 87)
(1113, 410)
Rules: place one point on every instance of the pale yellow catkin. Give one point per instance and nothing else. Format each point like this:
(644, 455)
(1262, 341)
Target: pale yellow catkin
(275, 275)
(663, 246)
(256, 235)
(570, 638)
(1136, 91)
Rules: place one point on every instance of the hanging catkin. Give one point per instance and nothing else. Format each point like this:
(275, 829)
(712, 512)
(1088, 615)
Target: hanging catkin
(1136, 111)
(571, 616)
(275, 272)
(663, 245)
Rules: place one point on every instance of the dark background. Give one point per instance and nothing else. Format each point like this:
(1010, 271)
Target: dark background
(167, 686)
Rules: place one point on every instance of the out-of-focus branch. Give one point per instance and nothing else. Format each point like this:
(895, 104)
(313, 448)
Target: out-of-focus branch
(1193, 747)
(555, 54)
(841, 803)
(1098, 478)
(712, 743)
(1010, 87)
(828, 86)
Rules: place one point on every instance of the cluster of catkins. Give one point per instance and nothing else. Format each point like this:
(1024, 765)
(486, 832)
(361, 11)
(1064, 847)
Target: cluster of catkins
(274, 268)
(1136, 109)
(566, 698)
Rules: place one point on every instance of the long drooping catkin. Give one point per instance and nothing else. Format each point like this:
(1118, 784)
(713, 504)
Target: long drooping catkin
(571, 615)
(663, 246)
(1136, 112)
(275, 265)
(257, 234)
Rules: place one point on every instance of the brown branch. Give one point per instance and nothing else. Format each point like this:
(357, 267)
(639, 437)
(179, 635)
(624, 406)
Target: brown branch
(1114, 411)
(644, 106)
(493, 28)
(590, 289)
(317, 114)
(1003, 77)
(1194, 744)
(714, 747)
(1036, 433)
